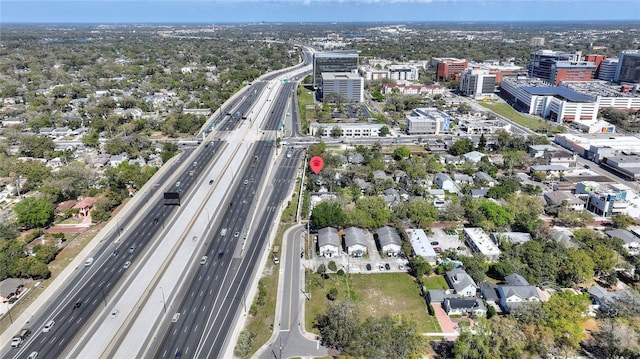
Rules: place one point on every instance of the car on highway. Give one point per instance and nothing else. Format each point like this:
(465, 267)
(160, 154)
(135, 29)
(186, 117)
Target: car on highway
(127, 264)
(77, 305)
(237, 234)
(178, 184)
(88, 262)
(203, 260)
(33, 355)
(210, 182)
(132, 248)
(115, 252)
(48, 326)
(246, 182)
(114, 313)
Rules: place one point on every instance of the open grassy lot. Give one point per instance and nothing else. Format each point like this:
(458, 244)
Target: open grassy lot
(435, 282)
(374, 294)
(507, 111)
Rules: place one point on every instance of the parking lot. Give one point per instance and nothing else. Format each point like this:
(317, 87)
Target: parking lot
(440, 239)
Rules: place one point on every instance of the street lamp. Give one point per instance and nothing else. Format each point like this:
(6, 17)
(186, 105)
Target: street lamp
(164, 303)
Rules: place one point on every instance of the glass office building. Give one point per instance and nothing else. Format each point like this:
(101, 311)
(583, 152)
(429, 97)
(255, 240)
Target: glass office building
(334, 61)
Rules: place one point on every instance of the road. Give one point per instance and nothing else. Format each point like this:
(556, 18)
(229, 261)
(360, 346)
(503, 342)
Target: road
(292, 341)
(92, 285)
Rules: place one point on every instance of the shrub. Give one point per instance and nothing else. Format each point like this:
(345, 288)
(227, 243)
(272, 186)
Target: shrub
(332, 294)
(332, 266)
(431, 310)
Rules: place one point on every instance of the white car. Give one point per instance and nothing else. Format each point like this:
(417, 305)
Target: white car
(48, 326)
(127, 264)
(33, 355)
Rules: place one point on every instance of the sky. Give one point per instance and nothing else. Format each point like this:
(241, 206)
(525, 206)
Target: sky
(234, 11)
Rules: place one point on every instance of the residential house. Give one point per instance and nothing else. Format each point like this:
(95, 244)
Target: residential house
(101, 160)
(562, 198)
(380, 175)
(517, 290)
(463, 179)
(443, 181)
(473, 156)
(85, 206)
(63, 207)
(484, 179)
(631, 241)
(461, 282)
(116, 160)
(356, 158)
(512, 237)
(391, 196)
(551, 170)
(453, 160)
(389, 241)
(436, 296)
(462, 306)
(538, 151)
(355, 241)
(438, 197)
(479, 192)
(328, 242)
(489, 292)
(561, 158)
(563, 236)
(605, 300)
(55, 163)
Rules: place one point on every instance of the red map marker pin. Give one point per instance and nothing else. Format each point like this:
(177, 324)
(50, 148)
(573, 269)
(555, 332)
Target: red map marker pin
(316, 164)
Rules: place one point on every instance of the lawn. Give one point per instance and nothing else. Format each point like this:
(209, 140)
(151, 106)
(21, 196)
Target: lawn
(507, 111)
(374, 295)
(435, 282)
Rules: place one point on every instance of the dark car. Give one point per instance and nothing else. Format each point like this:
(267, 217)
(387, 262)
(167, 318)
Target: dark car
(115, 252)
(434, 243)
(210, 181)
(387, 266)
(368, 266)
(77, 305)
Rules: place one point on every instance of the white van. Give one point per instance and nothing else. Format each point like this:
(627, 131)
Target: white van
(223, 232)
(88, 262)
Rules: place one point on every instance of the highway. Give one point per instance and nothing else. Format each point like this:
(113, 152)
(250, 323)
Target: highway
(77, 301)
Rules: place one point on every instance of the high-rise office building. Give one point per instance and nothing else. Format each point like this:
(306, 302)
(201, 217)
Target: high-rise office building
(543, 60)
(607, 69)
(477, 83)
(628, 67)
(334, 61)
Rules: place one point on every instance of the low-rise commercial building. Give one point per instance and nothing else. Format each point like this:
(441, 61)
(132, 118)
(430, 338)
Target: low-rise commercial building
(427, 121)
(479, 242)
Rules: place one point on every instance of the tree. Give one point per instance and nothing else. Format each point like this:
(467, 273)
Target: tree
(400, 153)
(45, 253)
(34, 212)
(482, 143)
(370, 212)
(622, 220)
(338, 327)
(614, 339)
(336, 131)
(169, 150)
(419, 267)
(327, 214)
(461, 147)
(36, 146)
(384, 131)
(476, 266)
(91, 139)
(539, 176)
(452, 211)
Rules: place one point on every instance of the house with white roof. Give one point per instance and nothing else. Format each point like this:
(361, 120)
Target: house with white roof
(479, 242)
(421, 245)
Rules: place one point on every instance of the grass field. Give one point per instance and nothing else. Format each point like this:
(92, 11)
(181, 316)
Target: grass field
(507, 111)
(435, 282)
(374, 295)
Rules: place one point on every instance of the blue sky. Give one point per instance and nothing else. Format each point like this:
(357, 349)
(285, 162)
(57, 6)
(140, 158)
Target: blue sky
(225, 11)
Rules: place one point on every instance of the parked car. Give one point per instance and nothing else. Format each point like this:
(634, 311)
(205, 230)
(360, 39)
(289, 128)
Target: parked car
(437, 249)
(435, 243)
(368, 266)
(381, 266)
(387, 266)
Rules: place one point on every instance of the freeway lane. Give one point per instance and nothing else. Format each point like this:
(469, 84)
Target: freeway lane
(224, 247)
(218, 334)
(95, 283)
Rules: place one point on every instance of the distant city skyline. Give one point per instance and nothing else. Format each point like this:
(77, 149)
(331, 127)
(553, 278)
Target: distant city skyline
(239, 11)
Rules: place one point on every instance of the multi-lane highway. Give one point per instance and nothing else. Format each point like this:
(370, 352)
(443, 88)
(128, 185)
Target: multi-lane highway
(92, 284)
(231, 258)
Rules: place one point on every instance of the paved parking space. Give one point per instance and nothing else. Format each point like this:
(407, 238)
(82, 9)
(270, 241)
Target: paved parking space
(448, 241)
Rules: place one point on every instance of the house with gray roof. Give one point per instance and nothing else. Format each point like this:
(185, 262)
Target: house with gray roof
(479, 192)
(355, 241)
(631, 241)
(604, 299)
(473, 156)
(443, 181)
(489, 292)
(328, 242)
(389, 241)
(461, 178)
(461, 282)
(462, 306)
(484, 179)
(513, 237)
(516, 291)
(356, 158)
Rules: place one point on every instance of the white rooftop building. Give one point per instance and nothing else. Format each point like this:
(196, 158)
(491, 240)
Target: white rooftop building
(421, 245)
(479, 242)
